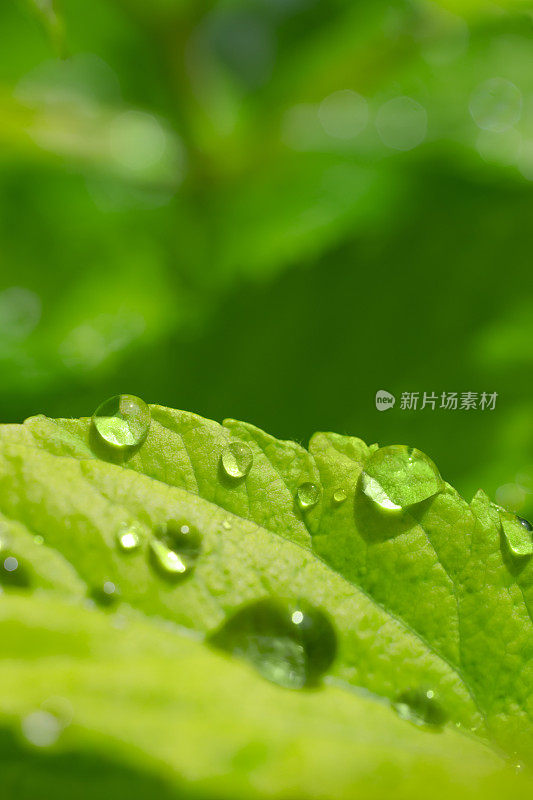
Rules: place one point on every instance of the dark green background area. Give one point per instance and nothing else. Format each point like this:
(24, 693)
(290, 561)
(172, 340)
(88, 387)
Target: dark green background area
(254, 277)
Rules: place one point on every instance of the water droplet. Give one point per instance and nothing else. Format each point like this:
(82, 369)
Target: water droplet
(308, 495)
(517, 532)
(290, 643)
(38, 539)
(129, 538)
(420, 707)
(226, 524)
(527, 525)
(107, 594)
(41, 728)
(122, 421)
(12, 572)
(237, 459)
(399, 476)
(176, 548)
(339, 496)
(496, 105)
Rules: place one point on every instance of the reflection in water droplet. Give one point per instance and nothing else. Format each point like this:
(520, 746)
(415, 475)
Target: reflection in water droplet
(420, 707)
(496, 105)
(41, 729)
(129, 538)
(176, 548)
(402, 123)
(517, 533)
(343, 114)
(399, 476)
(237, 459)
(339, 496)
(290, 643)
(308, 495)
(122, 421)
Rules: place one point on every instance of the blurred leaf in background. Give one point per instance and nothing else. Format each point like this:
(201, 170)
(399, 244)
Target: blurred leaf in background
(271, 209)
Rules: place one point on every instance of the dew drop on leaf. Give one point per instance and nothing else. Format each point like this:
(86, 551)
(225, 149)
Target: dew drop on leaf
(12, 572)
(129, 538)
(237, 459)
(398, 476)
(226, 524)
(307, 495)
(107, 594)
(289, 642)
(339, 496)
(420, 707)
(517, 533)
(122, 421)
(175, 548)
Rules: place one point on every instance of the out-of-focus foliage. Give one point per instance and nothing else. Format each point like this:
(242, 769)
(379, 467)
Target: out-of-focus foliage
(201, 201)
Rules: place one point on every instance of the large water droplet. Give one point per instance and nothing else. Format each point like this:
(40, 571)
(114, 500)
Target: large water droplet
(122, 421)
(399, 476)
(517, 532)
(176, 548)
(290, 643)
(420, 707)
(237, 459)
(129, 538)
(308, 495)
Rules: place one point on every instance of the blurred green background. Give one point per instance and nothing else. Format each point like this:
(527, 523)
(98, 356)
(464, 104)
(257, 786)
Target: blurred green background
(271, 209)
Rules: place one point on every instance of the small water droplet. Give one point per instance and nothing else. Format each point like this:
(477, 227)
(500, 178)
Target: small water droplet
(398, 476)
(290, 643)
(41, 728)
(237, 459)
(517, 533)
(38, 539)
(176, 548)
(107, 594)
(129, 538)
(12, 572)
(339, 496)
(308, 495)
(420, 707)
(122, 421)
(226, 524)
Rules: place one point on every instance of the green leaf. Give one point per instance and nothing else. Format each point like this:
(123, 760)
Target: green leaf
(428, 596)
